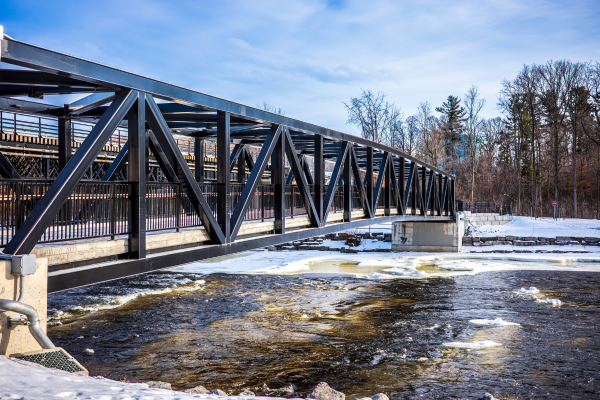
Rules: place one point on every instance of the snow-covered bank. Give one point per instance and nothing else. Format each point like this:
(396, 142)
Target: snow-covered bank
(541, 227)
(24, 380)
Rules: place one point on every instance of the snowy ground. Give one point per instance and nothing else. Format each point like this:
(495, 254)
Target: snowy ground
(24, 380)
(541, 227)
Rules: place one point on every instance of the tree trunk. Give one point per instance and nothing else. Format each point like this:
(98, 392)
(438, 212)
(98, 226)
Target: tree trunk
(574, 160)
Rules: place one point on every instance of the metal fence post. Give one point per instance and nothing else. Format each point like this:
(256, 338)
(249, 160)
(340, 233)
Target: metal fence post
(177, 206)
(262, 203)
(292, 201)
(113, 198)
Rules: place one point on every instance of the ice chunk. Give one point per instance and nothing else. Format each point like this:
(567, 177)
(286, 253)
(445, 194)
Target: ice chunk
(553, 302)
(493, 322)
(531, 290)
(472, 345)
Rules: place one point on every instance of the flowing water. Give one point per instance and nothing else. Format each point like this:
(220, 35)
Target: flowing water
(265, 332)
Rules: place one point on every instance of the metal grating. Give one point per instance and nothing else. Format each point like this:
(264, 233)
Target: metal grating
(53, 358)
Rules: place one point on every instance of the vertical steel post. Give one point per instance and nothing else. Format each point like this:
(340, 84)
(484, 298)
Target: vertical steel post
(319, 178)
(223, 173)
(113, 200)
(241, 166)
(346, 176)
(402, 181)
(423, 191)
(369, 178)
(278, 181)
(413, 190)
(388, 186)
(177, 206)
(137, 167)
(64, 142)
(292, 201)
(199, 159)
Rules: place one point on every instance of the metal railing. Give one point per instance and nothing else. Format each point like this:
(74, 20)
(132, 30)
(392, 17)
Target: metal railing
(101, 209)
(483, 207)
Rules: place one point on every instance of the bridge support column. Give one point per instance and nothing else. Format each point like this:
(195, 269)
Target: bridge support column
(428, 236)
(223, 172)
(199, 160)
(137, 173)
(18, 339)
(64, 142)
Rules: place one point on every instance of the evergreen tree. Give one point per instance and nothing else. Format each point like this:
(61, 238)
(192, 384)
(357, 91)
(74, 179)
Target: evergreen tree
(454, 114)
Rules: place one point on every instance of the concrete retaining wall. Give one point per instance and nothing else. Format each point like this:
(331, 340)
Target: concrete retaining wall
(486, 218)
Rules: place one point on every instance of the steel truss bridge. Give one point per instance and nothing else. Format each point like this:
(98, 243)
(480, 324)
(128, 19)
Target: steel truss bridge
(150, 139)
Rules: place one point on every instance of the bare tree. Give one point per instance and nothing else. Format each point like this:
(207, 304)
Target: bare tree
(270, 108)
(377, 118)
(473, 106)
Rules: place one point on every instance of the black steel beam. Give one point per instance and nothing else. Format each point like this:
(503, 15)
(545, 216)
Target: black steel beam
(64, 142)
(223, 172)
(199, 159)
(90, 102)
(359, 183)
(137, 166)
(387, 187)
(306, 169)
(303, 188)
(347, 180)
(241, 166)
(380, 176)
(175, 158)
(7, 170)
(237, 217)
(278, 181)
(235, 154)
(319, 175)
(334, 180)
(161, 158)
(369, 178)
(44, 212)
(117, 165)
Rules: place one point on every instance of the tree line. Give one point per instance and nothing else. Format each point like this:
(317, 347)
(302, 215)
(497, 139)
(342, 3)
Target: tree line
(544, 145)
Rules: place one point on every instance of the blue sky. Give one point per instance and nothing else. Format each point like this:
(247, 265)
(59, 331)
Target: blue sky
(310, 56)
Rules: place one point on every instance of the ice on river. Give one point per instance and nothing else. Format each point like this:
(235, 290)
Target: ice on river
(532, 290)
(493, 322)
(482, 344)
(552, 302)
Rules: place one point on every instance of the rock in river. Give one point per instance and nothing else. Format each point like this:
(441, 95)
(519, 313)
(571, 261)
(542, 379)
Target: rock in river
(324, 392)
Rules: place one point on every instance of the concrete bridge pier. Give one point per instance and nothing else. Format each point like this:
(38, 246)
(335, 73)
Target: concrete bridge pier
(428, 236)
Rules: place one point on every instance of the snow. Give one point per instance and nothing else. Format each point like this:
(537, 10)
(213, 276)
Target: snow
(493, 322)
(540, 227)
(472, 345)
(24, 380)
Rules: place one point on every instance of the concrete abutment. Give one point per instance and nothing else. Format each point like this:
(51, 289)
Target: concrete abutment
(428, 236)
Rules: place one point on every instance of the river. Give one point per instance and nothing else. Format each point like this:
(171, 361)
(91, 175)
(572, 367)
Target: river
(362, 336)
